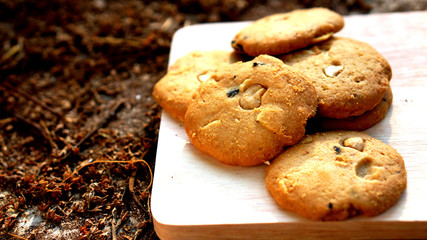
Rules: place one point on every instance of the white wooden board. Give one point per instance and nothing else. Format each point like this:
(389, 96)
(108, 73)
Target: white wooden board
(196, 197)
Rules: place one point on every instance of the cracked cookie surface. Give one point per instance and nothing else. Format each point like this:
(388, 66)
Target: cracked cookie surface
(337, 175)
(284, 32)
(248, 111)
(174, 90)
(350, 76)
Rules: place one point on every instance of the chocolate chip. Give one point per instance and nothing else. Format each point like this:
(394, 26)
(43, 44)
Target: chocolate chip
(337, 150)
(237, 47)
(330, 205)
(232, 92)
(258, 64)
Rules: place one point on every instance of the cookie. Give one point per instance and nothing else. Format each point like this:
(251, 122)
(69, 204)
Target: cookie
(355, 123)
(248, 111)
(175, 89)
(337, 175)
(350, 76)
(284, 32)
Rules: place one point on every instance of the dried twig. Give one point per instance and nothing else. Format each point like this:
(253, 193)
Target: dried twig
(33, 99)
(135, 43)
(137, 233)
(113, 225)
(16, 236)
(48, 135)
(37, 127)
(131, 185)
(13, 56)
(89, 162)
(11, 52)
(113, 112)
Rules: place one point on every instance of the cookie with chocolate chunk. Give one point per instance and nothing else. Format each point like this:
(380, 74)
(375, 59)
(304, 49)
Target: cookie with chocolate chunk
(175, 89)
(337, 175)
(248, 111)
(284, 32)
(355, 123)
(350, 76)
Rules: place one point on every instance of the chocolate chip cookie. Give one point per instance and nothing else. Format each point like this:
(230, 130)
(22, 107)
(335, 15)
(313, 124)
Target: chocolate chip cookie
(284, 32)
(336, 175)
(175, 89)
(248, 111)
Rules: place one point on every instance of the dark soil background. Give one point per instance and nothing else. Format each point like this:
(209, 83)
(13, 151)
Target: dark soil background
(78, 125)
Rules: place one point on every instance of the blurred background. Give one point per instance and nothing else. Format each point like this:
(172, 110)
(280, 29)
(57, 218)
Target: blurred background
(78, 125)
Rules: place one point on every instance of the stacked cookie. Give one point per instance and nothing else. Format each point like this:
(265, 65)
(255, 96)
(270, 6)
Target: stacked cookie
(288, 73)
(351, 77)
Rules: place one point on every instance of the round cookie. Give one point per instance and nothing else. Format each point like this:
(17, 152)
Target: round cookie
(248, 111)
(174, 90)
(284, 32)
(350, 76)
(337, 175)
(355, 123)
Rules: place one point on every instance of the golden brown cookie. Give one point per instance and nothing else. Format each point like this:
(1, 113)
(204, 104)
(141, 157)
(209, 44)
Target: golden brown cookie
(336, 175)
(175, 89)
(284, 32)
(355, 123)
(350, 76)
(248, 111)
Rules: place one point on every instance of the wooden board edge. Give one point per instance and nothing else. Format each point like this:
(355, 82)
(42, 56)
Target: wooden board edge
(304, 230)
